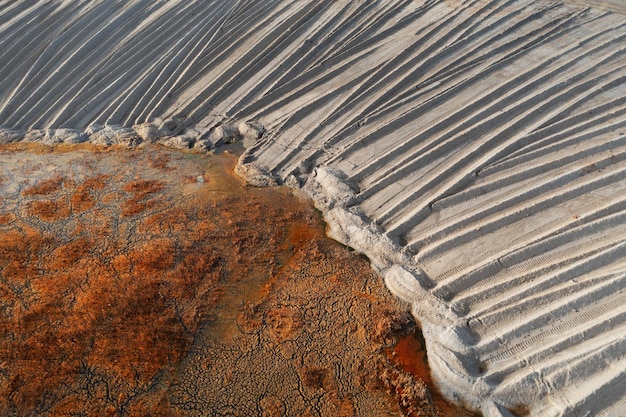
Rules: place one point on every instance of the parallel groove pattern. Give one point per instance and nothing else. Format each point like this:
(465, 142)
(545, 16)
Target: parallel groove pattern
(486, 140)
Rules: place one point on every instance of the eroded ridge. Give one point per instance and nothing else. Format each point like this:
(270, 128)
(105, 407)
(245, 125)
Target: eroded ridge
(474, 150)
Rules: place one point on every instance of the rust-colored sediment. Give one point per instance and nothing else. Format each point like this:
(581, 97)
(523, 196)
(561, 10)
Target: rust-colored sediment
(153, 283)
(410, 356)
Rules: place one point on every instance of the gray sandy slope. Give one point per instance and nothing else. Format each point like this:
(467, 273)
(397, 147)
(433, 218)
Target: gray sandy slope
(475, 151)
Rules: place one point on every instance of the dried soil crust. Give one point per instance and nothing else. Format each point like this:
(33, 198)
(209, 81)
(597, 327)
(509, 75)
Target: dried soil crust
(152, 282)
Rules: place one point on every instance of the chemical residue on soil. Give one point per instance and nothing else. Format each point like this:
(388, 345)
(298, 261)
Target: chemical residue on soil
(152, 282)
(409, 354)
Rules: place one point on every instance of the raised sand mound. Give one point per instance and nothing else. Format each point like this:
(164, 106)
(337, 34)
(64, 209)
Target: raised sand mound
(474, 150)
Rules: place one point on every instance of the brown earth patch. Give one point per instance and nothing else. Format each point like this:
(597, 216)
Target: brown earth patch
(219, 299)
(49, 210)
(45, 187)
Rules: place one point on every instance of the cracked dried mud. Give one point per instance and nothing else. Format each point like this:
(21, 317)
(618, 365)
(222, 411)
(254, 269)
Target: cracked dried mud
(150, 282)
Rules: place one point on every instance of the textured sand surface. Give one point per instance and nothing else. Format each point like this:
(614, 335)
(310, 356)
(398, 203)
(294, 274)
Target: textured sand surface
(474, 150)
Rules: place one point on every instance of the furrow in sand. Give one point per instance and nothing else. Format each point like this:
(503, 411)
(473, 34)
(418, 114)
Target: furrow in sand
(326, 64)
(588, 359)
(480, 128)
(567, 332)
(608, 115)
(330, 124)
(559, 200)
(22, 66)
(561, 291)
(281, 81)
(510, 268)
(231, 40)
(135, 91)
(293, 81)
(362, 97)
(59, 57)
(119, 67)
(259, 72)
(520, 194)
(517, 35)
(10, 10)
(76, 70)
(199, 36)
(290, 25)
(354, 22)
(405, 121)
(104, 70)
(499, 176)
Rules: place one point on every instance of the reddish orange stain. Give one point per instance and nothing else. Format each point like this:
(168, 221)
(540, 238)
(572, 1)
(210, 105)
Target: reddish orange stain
(410, 356)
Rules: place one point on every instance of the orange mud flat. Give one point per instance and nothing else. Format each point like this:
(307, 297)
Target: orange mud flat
(154, 283)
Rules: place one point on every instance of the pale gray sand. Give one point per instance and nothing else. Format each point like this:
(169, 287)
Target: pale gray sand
(474, 150)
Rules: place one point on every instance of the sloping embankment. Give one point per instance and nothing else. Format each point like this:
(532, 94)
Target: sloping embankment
(474, 150)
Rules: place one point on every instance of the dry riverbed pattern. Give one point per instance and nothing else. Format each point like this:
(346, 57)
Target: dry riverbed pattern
(153, 282)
